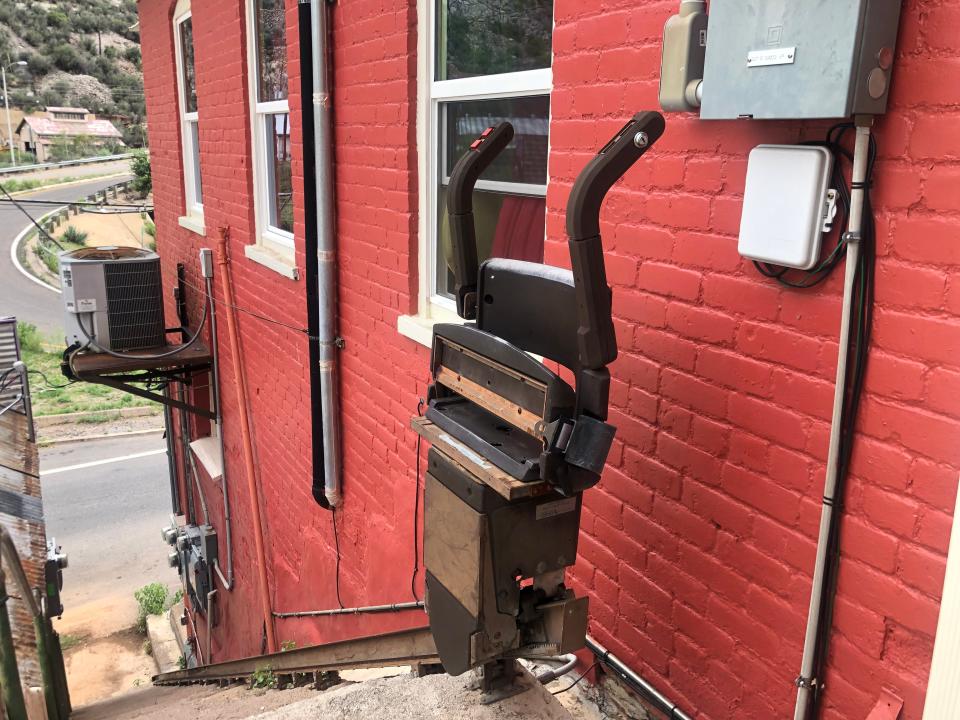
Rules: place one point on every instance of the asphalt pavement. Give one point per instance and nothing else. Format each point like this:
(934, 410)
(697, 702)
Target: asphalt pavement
(107, 516)
(19, 296)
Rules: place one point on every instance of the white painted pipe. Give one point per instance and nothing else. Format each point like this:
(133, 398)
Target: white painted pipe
(806, 683)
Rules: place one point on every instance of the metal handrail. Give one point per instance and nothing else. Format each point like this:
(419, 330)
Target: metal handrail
(11, 557)
(65, 163)
(24, 396)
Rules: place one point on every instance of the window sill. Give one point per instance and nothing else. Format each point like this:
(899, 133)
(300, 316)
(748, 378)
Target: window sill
(207, 452)
(282, 263)
(193, 223)
(420, 329)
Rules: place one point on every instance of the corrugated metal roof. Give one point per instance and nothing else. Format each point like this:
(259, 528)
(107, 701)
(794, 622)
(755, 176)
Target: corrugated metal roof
(96, 128)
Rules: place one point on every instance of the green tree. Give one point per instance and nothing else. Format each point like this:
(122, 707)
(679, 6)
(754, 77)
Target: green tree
(142, 179)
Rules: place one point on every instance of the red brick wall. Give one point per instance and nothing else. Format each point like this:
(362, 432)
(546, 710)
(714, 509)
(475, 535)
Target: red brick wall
(377, 216)
(698, 545)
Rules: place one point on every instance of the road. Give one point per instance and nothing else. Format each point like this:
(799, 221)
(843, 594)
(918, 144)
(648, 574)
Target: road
(73, 171)
(19, 296)
(107, 517)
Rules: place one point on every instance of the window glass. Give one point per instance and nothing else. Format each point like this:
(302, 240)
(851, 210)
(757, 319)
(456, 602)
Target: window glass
(280, 176)
(189, 69)
(508, 204)
(195, 147)
(271, 50)
(486, 37)
(524, 160)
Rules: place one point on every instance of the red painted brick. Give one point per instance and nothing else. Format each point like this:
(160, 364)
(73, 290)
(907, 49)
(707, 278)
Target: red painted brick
(701, 324)
(922, 569)
(940, 188)
(757, 405)
(762, 493)
(886, 596)
(768, 419)
(909, 286)
(669, 280)
(778, 345)
(754, 298)
(934, 484)
(694, 393)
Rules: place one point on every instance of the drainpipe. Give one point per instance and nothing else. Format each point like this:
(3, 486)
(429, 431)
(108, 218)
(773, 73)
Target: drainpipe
(246, 439)
(329, 342)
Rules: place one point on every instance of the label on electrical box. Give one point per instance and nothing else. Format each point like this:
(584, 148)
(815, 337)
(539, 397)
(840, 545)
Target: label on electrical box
(776, 56)
(86, 305)
(557, 507)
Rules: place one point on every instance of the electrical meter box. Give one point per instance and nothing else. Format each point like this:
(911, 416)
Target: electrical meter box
(790, 59)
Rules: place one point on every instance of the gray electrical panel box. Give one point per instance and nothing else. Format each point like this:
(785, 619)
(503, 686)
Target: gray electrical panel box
(787, 59)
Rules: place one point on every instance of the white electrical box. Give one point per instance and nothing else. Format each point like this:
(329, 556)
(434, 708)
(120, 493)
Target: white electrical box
(786, 204)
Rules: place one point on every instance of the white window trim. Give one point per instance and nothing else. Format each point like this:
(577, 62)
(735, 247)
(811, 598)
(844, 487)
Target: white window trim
(276, 245)
(432, 307)
(193, 208)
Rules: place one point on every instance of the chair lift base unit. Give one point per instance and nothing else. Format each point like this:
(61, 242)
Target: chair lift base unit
(514, 446)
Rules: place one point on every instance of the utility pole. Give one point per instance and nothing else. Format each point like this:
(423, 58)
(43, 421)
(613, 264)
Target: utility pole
(6, 104)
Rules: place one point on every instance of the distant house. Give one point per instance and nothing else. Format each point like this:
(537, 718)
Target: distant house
(41, 133)
(16, 116)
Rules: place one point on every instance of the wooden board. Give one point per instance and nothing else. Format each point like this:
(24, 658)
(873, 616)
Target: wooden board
(509, 412)
(479, 467)
(196, 356)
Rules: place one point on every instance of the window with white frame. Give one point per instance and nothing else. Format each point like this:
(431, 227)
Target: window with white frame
(273, 179)
(490, 60)
(189, 111)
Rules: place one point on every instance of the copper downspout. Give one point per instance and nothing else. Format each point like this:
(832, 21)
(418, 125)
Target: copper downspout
(246, 437)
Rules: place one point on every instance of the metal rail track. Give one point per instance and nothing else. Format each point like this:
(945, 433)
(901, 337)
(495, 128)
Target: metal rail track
(406, 647)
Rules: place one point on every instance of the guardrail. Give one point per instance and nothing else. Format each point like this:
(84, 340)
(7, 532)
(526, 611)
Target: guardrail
(65, 163)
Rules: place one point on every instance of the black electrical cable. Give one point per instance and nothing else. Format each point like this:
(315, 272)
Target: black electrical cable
(50, 385)
(861, 321)
(577, 681)
(32, 219)
(78, 203)
(336, 544)
(416, 513)
(176, 351)
(255, 314)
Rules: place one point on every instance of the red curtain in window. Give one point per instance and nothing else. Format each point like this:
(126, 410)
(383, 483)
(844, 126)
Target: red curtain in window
(520, 229)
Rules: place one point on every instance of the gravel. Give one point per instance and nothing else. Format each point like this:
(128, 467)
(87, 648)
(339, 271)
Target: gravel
(434, 697)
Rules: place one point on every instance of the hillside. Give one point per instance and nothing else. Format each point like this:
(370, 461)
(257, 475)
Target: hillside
(82, 53)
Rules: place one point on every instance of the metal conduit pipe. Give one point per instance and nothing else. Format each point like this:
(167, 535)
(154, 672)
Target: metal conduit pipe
(210, 596)
(196, 482)
(647, 691)
(246, 441)
(806, 682)
(569, 663)
(326, 253)
(395, 607)
(214, 346)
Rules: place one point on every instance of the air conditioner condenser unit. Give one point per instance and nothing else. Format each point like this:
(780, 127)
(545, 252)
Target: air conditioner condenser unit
(112, 298)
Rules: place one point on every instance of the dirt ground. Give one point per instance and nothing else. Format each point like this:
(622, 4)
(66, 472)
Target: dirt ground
(105, 667)
(111, 423)
(126, 230)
